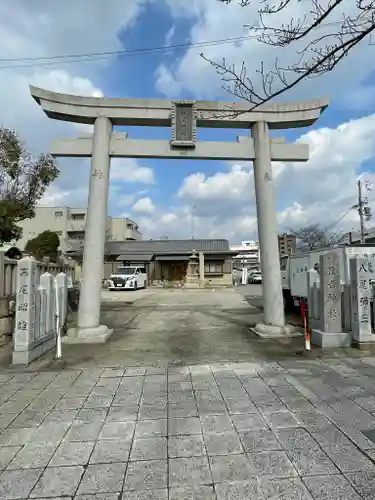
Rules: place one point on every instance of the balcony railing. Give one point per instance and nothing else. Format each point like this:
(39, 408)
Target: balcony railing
(133, 234)
(76, 225)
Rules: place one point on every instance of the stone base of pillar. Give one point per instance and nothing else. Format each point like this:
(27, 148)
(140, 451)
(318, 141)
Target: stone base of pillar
(6, 326)
(192, 284)
(33, 352)
(95, 335)
(364, 342)
(328, 339)
(274, 332)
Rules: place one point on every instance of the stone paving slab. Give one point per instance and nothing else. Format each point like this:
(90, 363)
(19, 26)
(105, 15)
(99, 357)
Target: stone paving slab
(291, 430)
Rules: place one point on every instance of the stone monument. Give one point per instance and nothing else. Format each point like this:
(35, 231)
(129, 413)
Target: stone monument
(35, 327)
(329, 333)
(184, 117)
(361, 271)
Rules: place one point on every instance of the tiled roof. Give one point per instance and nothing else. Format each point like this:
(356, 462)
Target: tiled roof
(166, 246)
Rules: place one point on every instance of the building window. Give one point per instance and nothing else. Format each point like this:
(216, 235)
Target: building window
(78, 216)
(213, 268)
(59, 214)
(284, 263)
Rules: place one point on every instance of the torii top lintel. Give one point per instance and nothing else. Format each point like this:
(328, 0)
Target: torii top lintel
(157, 112)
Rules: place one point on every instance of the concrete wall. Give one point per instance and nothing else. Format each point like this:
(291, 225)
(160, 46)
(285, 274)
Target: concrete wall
(70, 223)
(46, 218)
(124, 229)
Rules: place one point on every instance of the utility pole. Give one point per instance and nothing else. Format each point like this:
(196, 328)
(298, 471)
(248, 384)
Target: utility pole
(361, 212)
(192, 222)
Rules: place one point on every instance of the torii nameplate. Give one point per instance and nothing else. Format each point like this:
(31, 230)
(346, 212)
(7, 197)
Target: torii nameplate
(184, 124)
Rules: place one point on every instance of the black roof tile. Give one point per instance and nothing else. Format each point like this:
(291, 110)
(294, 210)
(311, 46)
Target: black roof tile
(166, 246)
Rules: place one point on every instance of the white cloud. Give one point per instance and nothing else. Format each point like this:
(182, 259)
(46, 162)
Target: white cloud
(167, 83)
(322, 190)
(124, 200)
(168, 217)
(202, 187)
(169, 36)
(128, 170)
(213, 20)
(144, 206)
(39, 29)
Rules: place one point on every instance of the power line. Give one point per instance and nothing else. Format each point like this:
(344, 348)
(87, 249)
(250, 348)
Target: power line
(96, 56)
(24, 62)
(331, 226)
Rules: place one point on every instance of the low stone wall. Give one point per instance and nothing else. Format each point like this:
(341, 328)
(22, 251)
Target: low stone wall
(219, 281)
(6, 316)
(41, 300)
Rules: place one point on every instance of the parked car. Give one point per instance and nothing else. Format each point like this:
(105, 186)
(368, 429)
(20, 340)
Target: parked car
(256, 278)
(128, 278)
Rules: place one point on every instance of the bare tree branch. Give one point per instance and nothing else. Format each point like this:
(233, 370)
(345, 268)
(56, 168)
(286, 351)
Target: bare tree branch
(323, 37)
(314, 236)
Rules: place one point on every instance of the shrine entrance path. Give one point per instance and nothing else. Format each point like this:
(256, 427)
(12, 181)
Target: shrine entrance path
(163, 327)
(169, 327)
(183, 402)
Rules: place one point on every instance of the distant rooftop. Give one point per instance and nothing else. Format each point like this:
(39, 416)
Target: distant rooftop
(159, 246)
(167, 246)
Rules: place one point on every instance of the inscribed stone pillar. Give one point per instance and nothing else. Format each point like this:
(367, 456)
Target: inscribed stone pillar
(95, 238)
(201, 269)
(361, 271)
(347, 307)
(267, 230)
(24, 330)
(47, 282)
(62, 287)
(329, 333)
(312, 278)
(330, 293)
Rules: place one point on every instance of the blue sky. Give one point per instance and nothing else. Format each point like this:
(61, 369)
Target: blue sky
(134, 76)
(160, 194)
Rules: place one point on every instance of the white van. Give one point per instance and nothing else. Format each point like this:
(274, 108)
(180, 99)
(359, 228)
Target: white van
(128, 278)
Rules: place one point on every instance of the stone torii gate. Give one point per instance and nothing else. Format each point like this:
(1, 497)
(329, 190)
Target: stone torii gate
(184, 117)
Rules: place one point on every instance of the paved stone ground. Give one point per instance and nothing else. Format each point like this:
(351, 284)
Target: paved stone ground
(165, 327)
(158, 326)
(293, 430)
(165, 412)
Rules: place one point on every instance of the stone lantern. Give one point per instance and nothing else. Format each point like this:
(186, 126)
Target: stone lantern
(192, 275)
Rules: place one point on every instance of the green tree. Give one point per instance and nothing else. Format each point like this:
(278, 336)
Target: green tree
(23, 181)
(13, 253)
(46, 244)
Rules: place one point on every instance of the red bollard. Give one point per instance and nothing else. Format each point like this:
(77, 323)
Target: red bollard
(306, 329)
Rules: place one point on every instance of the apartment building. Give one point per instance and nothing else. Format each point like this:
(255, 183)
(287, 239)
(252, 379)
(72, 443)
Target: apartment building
(248, 255)
(70, 223)
(287, 243)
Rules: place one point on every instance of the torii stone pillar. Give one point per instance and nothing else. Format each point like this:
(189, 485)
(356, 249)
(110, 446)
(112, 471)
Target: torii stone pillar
(274, 317)
(93, 256)
(184, 117)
